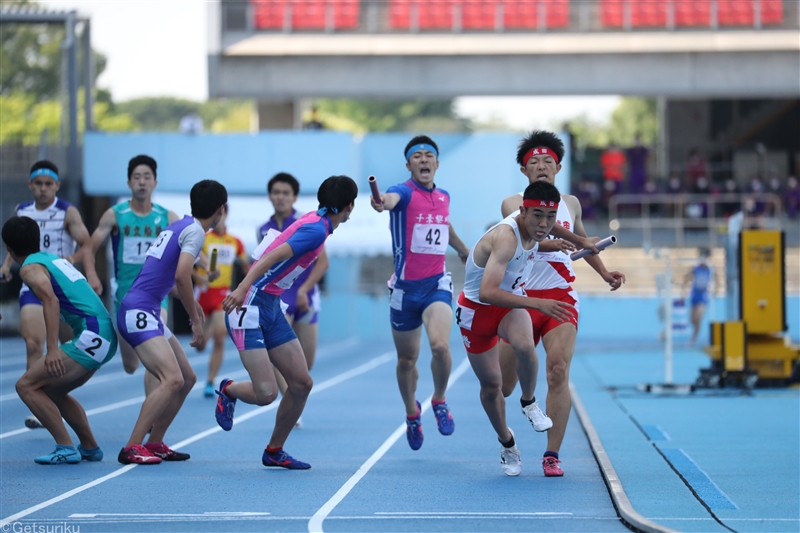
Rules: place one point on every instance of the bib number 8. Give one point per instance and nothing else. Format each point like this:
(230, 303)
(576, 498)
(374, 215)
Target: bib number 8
(137, 321)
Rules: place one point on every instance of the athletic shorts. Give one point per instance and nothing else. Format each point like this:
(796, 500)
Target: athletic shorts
(259, 324)
(118, 298)
(289, 298)
(409, 299)
(94, 346)
(479, 323)
(696, 298)
(27, 296)
(542, 323)
(139, 323)
(211, 300)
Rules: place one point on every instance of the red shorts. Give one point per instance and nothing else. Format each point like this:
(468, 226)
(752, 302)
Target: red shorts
(543, 323)
(211, 300)
(478, 323)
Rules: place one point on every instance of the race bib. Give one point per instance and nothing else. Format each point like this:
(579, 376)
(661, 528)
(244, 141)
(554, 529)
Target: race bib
(268, 239)
(93, 345)
(464, 316)
(430, 239)
(286, 282)
(68, 270)
(157, 248)
(137, 321)
(134, 249)
(226, 254)
(48, 239)
(246, 318)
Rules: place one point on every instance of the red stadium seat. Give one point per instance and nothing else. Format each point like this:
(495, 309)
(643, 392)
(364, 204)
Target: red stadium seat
(525, 13)
(268, 14)
(688, 13)
(735, 12)
(400, 14)
(479, 14)
(346, 14)
(649, 13)
(436, 14)
(612, 13)
(771, 12)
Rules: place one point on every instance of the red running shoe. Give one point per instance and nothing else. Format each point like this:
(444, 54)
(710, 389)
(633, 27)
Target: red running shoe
(138, 454)
(551, 468)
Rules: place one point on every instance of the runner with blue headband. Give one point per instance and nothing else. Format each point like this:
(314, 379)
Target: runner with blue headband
(60, 228)
(421, 288)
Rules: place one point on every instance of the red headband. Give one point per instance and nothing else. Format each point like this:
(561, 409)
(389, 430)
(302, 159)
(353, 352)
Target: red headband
(539, 203)
(540, 150)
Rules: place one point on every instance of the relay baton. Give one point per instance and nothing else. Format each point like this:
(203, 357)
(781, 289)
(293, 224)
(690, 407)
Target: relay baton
(213, 263)
(376, 193)
(601, 245)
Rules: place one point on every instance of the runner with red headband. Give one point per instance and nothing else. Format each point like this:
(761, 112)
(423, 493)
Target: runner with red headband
(494, 302)
(551, 276)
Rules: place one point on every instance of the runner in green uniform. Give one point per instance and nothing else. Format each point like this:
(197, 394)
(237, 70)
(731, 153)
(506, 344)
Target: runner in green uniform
(46, 385)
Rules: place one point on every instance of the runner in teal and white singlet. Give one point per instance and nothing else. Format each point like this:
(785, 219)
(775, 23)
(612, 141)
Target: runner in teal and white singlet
(46, 385)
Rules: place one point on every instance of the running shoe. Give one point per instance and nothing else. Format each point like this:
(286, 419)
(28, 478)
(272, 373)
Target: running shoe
(159, 449)
(414, 430)
(137, 454)
(443, 418)
(539, 420)
(91, 454)
(225, 406)
(208, 392)
(62, 455)
(33, 423)
(284, 460)
(510, 459)
(551, 468)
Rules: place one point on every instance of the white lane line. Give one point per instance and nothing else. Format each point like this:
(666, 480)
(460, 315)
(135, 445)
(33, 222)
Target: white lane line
(212, 517)
(315, 524)
(422, 514)
(361, 369)
(158, 515)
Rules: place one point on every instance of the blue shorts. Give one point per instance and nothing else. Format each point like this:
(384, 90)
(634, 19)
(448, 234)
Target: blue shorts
(698, 297)
(27, 296)
(139, 323)
(302, 317)
(409, 299)
(260, 324)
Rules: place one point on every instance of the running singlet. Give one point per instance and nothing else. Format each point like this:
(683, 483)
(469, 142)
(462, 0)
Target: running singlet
(273, 224)
(701, 278)
(157, 276)
(53, 235)
(420, 226)
(306, 237)
(517, 271)
(228, 249)
(553, 270)
(135, 234)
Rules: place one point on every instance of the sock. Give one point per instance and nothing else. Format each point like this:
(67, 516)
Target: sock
(526, 403)
(273, 451)
(68, 447)
(412, 417)
(90, 450)
(437, 402)
(551, 454)
(508, 444)
(225, 389)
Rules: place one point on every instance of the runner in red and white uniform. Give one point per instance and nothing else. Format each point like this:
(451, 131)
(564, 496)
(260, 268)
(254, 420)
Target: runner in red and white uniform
(539, 157)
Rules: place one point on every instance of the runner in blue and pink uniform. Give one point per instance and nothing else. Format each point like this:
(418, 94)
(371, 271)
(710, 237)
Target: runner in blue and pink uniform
(259, 328)
(167, 268)
(421, 288)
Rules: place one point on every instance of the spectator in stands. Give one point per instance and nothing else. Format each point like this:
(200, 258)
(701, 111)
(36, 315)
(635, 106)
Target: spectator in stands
(674, 188)
(313, 122)
(587, 194)
(612, 162)
(191, 124)
(696, 167)
(729, 207)
(637, 165)
(792, 197)
(756, 189)
(773, 188)
(699, 209)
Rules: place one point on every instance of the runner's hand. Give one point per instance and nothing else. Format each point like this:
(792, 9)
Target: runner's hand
(95, 284)
(213, 275)
(614, 279)
(556, 245)
(376, 206)
(234, 301)
(590, 243)
(54, 364)
(554, 308)
(197, 334)
(302, 301)
(5, 274)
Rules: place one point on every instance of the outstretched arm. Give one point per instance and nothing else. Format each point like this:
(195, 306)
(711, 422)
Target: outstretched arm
(77, 230)
(108, 222)
(388, 201)
(236, 298)
(614, 279)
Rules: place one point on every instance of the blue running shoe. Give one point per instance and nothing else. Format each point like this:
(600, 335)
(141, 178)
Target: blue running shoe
(61, 455)
(414, 430)
(284, 460)
(225, 406)
(443, 418)
(91, 454)
(208, 391)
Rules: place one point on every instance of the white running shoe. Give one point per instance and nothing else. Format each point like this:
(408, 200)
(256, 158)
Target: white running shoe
(510, 459)
(539, 420)
(33, 423)
(299, 423)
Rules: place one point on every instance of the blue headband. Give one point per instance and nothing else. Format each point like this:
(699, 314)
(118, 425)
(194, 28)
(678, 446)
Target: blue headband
(44, 172)
(323, 210)
(418, 147)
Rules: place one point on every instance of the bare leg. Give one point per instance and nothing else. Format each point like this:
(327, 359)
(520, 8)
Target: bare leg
(508, 368)
(698, 311)
(289, 358)
(516, 328)
(486, 366)
(438, 319)
(72, 411)
(407, 344)
(171, 408)
(559, 343)
(31, 327)
(217, 330)
(307, 334)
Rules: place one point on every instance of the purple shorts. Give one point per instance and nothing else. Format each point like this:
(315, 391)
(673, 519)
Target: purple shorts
(139, 323)
(27, 296)
(302, 317)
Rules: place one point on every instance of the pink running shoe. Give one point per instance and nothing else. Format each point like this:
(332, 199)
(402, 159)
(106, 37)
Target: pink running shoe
(551, 468)
(138, 454)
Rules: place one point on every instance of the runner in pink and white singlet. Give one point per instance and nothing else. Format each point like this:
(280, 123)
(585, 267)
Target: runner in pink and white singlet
(421, 289)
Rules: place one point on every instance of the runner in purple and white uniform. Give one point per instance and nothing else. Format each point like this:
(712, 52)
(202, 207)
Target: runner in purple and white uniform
(302, 299)
(259, 328)
(421, 289)
(167, 268)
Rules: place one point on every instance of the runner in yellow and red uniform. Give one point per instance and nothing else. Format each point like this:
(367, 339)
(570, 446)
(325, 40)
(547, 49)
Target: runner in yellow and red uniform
(228, 248)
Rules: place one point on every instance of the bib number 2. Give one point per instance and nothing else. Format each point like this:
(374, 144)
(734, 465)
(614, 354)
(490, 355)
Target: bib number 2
(93, 345)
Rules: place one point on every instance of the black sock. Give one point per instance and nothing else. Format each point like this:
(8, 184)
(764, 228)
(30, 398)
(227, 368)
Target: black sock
(508, 444)
(551, 454)
(526, 403)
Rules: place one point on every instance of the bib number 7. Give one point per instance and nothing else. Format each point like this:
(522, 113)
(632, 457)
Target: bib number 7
(246, 318)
